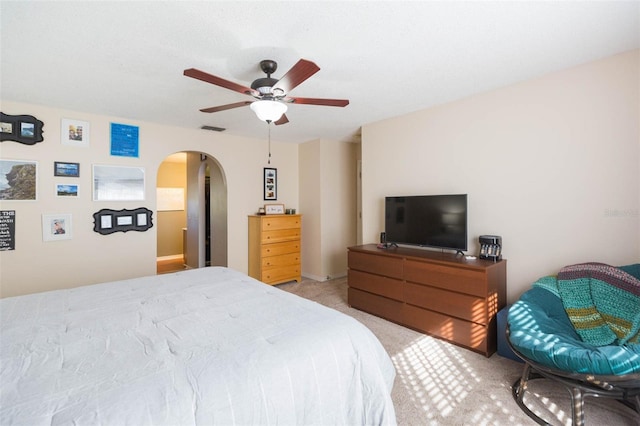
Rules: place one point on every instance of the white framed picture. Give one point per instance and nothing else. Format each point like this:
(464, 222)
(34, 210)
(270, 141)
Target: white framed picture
(118, 183)
(74, 132)
(57, 227)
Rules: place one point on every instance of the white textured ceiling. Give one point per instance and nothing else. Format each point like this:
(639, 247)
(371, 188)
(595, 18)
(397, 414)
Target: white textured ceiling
(388, 58)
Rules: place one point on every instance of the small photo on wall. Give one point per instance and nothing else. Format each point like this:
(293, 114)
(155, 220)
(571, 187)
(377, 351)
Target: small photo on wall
(61, 168)
(74, 132)
(56, 227)
(66, 190)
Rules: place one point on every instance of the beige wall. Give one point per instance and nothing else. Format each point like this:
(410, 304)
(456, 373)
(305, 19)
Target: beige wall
(90, 257)
(328, 198)
(171, 174)
(552, 165)
(310, 206)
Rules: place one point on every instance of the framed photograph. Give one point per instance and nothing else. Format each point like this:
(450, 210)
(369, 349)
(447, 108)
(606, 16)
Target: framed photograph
(74, 132)
(25, 129)
(66, 190)
(56, 227)
(18, 180)
(270, 184)
(61, 168)
(274, 208)
(118, 183)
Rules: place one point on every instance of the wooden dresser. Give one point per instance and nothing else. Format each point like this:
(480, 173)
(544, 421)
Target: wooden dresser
(441, 294)
(274, 248)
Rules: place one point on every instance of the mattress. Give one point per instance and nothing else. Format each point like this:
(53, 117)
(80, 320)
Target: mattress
(199, 347)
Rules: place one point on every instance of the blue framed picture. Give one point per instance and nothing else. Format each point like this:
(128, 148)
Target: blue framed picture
(125, 140)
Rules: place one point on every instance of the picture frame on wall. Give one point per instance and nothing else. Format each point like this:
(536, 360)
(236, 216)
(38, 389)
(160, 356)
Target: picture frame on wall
(64, 169)
(108, 221)
(125, 140)
(118, 183)
(18, 180)
(66, 190)
(74, 132)
(270, 183)
(25, 129)
(57, 227)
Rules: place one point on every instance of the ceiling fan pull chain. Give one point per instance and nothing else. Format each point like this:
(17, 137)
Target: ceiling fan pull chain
(269, 126)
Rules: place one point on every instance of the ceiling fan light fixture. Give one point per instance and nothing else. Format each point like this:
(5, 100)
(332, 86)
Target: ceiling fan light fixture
(268, 111)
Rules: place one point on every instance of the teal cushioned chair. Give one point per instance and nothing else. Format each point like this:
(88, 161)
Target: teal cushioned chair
(540, 332)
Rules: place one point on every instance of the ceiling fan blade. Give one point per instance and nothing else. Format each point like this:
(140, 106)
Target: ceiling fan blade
(301, 71)
(201, 75)
(227, 106)
(318, 101)
(281, 120)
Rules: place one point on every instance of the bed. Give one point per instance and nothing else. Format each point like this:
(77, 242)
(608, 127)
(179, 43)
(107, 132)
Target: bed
(199, 347)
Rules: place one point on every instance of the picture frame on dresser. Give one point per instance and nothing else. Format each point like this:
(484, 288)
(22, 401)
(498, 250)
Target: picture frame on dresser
(274, 208)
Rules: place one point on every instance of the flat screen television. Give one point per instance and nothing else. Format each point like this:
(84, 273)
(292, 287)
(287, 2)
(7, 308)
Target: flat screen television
(437, 221)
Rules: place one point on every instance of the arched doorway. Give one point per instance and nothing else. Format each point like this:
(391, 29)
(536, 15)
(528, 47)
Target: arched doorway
(195, 235)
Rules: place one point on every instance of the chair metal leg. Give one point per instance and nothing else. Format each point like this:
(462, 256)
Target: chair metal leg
(518, 390)
(577, 407)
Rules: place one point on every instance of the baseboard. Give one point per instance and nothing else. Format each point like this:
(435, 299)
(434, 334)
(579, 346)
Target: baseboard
(324, 278)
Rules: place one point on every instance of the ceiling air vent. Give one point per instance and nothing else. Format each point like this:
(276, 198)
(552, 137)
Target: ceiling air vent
(214, 129)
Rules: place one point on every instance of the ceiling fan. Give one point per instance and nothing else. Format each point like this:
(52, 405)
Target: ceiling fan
(271, 94)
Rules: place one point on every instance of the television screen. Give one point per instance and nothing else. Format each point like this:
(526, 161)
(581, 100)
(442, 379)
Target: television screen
(438, 221)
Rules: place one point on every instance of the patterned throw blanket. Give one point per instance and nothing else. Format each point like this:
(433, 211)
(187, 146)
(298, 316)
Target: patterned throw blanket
(602, 302)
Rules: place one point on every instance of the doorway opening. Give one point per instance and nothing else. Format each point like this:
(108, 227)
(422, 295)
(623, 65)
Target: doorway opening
(192, 212)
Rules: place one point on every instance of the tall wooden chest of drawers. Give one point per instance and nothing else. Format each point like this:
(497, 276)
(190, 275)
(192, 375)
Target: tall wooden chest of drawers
(447, 296)
(274, 248)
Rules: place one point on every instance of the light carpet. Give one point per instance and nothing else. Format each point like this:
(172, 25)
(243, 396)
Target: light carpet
(438, 383)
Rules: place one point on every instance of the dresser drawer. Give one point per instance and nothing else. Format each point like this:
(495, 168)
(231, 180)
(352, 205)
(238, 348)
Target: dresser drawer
(270, 223)
(281, 260)
(457, 305)
(376, 305)
(466, 333)
(381, 265)
(376, 284)
(279, 235)
(276, 249)
(457, 279)
(281, 274)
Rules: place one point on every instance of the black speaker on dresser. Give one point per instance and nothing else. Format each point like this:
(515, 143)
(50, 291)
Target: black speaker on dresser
(490, 247)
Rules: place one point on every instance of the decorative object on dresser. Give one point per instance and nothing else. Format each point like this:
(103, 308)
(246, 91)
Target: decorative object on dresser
(274, 248)
(490, 247)
(441, 294)
(274, 209)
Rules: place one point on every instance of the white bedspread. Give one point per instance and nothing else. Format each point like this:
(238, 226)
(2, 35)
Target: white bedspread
(200, 347)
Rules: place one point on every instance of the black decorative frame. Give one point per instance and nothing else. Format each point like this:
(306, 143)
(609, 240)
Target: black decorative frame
(25, 129)
(107, 221)
(270, 184)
